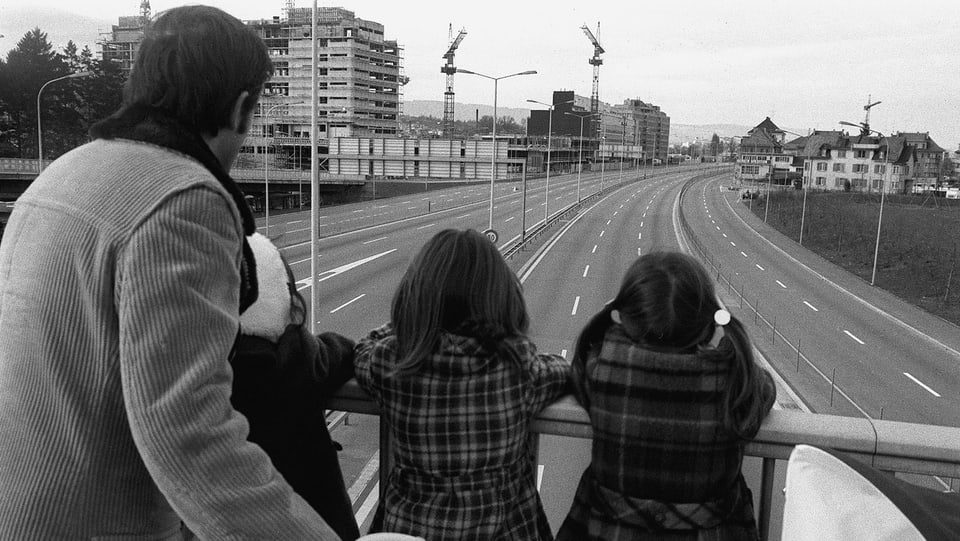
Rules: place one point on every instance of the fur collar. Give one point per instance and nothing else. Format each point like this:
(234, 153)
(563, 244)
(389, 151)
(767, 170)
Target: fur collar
(141, 123)
(269, 316)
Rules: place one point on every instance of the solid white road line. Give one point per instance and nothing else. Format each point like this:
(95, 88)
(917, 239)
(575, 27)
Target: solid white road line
(576, 303)
(812, 307)
(368, 505)
(366, 474)
(348, 303)
(325, 275)
(848, 333)
(922, 384)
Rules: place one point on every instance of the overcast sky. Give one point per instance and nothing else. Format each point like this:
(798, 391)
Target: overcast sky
(804, 64)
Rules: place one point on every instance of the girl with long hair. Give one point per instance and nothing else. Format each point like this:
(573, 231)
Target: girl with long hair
(673, 393)
(458, 383)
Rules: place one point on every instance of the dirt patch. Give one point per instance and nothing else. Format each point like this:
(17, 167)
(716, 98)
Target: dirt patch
(919, 255)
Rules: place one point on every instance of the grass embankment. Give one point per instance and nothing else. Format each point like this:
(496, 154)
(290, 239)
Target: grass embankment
(919, 257)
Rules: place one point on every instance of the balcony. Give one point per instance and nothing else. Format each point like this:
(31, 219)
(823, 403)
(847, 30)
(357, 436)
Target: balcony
(891, 446)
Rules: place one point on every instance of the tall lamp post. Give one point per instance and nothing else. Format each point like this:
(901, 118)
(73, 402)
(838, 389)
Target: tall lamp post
(39, 133)
(546, 190)
(266, 181)
(886, 155)
(806, 160)
(580, 153)
(493, 158)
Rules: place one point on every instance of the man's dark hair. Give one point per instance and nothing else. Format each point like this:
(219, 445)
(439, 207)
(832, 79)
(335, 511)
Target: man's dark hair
(193, 63)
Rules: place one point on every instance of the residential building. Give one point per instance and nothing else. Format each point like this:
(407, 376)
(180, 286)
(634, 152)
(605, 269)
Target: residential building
(761, 155)
(928, 158)
(901, 163)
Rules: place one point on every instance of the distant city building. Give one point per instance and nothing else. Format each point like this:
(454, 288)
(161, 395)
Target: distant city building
(122, 43)
(624, 128)
(761, 155)
(905, 162)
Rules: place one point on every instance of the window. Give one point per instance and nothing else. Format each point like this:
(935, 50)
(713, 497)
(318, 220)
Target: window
(821, 166)
(896, 169)
(876, 184)
(806, 166)
(750, 169)
(839, 167)
(860, 168)
(860, 154)
(821, 181)
(841, 153)
(840, 182)
(879, 169)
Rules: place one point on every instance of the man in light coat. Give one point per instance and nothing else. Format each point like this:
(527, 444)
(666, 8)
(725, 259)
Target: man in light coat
(123, 271)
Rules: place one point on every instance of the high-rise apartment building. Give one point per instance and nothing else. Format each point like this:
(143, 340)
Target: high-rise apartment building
(121, 44)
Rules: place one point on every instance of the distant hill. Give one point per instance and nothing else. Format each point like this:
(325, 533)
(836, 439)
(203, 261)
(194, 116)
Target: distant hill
(59, 25)
(679, 133)
(463, 111)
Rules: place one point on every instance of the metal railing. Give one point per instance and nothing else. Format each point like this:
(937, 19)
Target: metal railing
(887, 445)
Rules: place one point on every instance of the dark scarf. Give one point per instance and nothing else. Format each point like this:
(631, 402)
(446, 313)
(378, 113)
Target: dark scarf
(151, 126)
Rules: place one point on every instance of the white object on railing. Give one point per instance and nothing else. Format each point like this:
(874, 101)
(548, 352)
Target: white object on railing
(826, 499)
(389, 537)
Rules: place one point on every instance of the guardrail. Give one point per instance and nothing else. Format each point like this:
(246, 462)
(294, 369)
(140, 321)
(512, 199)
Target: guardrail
(887, 445)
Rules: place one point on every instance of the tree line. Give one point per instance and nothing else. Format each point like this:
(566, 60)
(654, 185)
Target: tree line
(67, 108)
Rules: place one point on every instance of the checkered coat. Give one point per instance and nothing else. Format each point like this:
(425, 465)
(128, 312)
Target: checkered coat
(462, 467)
(663, 466)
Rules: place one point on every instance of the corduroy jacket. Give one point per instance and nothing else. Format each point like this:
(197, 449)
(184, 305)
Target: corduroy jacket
(119, 306)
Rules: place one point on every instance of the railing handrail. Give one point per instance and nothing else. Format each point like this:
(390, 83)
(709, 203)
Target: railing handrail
(894, 445)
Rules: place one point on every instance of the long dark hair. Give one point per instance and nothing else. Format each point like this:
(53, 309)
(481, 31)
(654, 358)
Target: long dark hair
(667, 301)
(460, 283)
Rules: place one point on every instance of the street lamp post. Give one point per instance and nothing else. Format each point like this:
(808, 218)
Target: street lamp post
(580, 153)
(266, 181)
(546, 190)
(886, 155)
(806, 160)
(493, 157)
(39, 133)
(766, 208)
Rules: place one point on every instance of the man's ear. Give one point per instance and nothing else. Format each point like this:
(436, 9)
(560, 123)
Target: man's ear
(239, 119)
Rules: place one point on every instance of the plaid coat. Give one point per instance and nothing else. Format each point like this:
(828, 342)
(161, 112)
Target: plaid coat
(663, 466)
(462, 466)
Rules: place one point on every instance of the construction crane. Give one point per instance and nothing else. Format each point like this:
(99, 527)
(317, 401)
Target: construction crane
(865, 131)
(144, 12)
(449, 70)
(595, 61)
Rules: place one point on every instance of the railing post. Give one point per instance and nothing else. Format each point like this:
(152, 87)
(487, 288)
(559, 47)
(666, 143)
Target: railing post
(766, 497)
(386, 455)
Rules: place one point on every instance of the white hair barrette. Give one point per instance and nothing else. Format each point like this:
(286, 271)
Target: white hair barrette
(721, 317)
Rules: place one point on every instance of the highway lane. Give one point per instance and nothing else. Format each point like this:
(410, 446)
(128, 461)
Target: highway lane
(881, 362)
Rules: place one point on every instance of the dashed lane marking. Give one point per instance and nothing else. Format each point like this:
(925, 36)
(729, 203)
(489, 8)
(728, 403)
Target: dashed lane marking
(850, 334)
(812, 307)
(922, 384)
